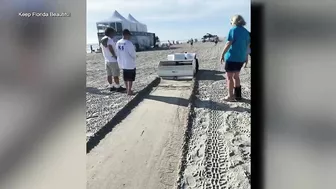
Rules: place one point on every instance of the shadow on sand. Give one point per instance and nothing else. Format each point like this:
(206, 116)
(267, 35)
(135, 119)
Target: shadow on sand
(201, 104)
(93, 90)
(212, 75)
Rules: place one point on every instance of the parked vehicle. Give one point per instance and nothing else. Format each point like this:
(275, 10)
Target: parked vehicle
(209, 38)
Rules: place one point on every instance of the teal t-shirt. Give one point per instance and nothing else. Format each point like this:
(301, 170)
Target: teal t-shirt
(240, 38)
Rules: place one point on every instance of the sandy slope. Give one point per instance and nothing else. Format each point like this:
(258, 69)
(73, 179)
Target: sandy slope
(143, 151)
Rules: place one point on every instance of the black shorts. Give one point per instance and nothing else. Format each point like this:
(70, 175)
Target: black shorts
(233, 66)
(129, 75)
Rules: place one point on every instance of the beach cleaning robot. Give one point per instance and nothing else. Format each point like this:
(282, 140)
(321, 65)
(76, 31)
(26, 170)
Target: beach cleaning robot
(179, 66)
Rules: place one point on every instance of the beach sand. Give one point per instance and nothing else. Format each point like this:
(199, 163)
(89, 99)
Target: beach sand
(219, 149)
(148, 144)
(144, 150)
(101, 104)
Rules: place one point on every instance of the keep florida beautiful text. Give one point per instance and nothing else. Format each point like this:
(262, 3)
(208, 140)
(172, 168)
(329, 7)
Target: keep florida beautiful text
(44, 14)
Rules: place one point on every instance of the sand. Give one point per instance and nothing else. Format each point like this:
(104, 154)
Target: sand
(219, 149)
(101, 105)
(144, 150)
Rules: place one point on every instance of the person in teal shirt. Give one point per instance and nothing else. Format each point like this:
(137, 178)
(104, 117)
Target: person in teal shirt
(234, 56)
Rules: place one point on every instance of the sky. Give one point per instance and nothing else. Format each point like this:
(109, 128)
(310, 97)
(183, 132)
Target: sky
(171, 19)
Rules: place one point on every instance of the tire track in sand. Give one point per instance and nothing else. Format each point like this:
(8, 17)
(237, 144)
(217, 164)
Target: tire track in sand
(219, 152)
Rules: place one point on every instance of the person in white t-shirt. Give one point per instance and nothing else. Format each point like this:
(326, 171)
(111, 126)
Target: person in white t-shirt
(126, 58)
(111, 64)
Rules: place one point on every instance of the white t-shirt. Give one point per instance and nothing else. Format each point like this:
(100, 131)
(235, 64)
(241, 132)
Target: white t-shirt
(106, 51)
(126, 54)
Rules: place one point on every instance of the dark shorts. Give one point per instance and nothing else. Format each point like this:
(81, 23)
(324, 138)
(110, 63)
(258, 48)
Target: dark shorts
(129, 75)
(233, 66)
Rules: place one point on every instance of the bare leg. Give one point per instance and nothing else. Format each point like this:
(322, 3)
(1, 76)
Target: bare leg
(129, 91)
(127, 86)
(230, 84)
(109, 79)
(116, 80)
(109, 74)
(130, 85)
(236, 79)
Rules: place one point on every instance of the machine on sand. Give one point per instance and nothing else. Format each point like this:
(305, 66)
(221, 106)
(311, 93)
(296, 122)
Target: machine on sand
(179, 66)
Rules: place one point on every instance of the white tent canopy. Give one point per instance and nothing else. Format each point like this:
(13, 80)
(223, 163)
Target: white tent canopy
(117, 19)
(140, 26)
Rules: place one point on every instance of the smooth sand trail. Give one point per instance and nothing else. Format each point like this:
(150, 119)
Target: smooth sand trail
(102, 105)
(145, 149)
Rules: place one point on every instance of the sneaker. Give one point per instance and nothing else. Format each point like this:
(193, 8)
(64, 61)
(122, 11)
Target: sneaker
(121, 89)
(229, 99)
(113, 89)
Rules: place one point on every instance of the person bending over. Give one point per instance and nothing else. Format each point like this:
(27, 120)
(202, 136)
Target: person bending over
(126, 59)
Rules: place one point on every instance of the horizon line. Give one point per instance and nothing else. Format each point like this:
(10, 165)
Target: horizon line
(95, 43)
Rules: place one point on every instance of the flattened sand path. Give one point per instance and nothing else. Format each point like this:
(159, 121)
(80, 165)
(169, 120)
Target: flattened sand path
(144, 150)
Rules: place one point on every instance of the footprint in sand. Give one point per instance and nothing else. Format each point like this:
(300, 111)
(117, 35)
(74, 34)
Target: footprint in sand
(191, 181)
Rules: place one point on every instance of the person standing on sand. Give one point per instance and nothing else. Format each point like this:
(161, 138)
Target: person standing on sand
(234, 56)
(216, 41)
(111, 64)
(91, 48)
(126, 59)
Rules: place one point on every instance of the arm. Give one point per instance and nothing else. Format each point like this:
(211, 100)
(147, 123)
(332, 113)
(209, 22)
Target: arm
(112, 51)
(117, 51)
(131, 50)
(103, 41)
(227, 44)
(249, 44)
(226, 47)
(247, 55)
(110, 43)
(248, 50)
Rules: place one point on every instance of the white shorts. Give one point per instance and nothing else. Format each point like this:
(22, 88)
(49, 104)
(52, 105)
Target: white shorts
(112, 69)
